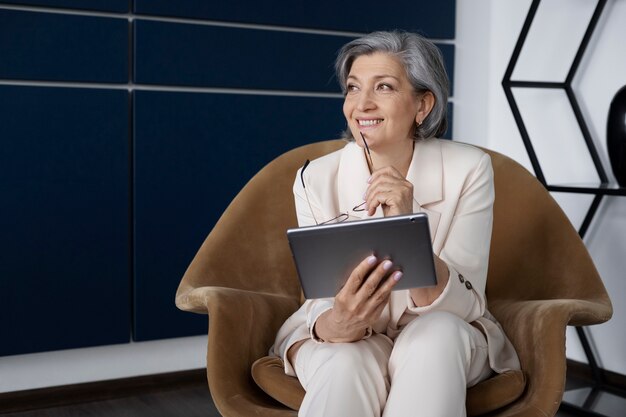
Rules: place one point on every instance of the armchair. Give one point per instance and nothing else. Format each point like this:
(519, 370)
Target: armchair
(541, 279)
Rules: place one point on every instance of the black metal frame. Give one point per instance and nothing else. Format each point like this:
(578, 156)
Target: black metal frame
(598, 190)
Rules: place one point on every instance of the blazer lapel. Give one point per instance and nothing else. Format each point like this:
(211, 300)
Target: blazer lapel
(426, 175)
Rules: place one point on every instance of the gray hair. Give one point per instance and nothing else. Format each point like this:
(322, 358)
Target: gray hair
(424, 67)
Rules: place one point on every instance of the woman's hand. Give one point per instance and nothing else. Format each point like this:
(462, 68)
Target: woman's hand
(387, 187)
(359, 303)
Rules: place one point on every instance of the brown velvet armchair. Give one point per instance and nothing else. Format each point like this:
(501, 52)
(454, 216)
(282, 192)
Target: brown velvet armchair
(541, 279)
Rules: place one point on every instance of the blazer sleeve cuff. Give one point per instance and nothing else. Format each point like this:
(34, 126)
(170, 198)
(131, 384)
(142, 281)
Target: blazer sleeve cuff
(312, 333)
(298, 335)
(458, 297)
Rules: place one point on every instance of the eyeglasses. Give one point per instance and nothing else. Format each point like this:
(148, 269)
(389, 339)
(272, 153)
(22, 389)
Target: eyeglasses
(342, 217)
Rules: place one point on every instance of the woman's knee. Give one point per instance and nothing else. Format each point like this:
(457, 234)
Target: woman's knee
(342, 363)
(438, 342)
(438, 329)
(349, 357)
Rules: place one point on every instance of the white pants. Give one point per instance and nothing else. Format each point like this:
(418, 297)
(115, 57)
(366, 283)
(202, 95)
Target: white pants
(426, 371)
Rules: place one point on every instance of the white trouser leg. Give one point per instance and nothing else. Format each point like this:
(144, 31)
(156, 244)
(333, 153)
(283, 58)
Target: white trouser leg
(344, 379)
(435, 358)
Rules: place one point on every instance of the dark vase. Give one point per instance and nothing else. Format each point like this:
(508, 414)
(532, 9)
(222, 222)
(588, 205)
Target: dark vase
(616, 135)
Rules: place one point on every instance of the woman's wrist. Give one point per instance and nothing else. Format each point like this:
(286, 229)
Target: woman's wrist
(442, 271)
(327, 330)
(425, 296)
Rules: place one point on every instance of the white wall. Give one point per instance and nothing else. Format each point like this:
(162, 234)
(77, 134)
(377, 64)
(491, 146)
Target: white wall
(38, 370)
(486, 34)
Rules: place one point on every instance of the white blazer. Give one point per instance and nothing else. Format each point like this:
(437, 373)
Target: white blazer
(453, 184)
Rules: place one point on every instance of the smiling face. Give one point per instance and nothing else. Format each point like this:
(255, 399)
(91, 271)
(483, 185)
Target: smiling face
(381, 102)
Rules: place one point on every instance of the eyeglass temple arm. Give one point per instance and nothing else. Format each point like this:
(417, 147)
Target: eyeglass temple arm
(306, 164)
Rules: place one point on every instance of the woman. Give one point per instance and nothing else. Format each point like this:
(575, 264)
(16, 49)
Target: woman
(370, 351)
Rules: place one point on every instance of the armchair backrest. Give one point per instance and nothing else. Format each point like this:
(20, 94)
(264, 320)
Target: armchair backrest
(535, 251)
(250, 236)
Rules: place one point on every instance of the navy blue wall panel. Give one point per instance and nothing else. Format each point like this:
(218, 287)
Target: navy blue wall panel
(448, 133)
(64, 218)
(44, 46)
(447, 51)
(80, 263)
(213, 56)
(120, 6)
(435, 19)
(193, 153)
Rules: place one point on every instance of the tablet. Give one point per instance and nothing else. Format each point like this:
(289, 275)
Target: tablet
(325, 255)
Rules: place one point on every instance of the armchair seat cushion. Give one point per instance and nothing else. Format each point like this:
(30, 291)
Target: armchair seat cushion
(489, 395)
(269, 374)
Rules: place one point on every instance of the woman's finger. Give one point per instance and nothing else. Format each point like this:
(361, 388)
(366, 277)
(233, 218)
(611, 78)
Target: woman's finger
(383, 291)
(401, 201)
(386, 196)
(374, 279)
(386, 182)
(389, 183)
(388, 170)
(359, 275)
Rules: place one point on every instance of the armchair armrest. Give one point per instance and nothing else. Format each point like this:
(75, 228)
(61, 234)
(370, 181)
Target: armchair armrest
(537, 330)
(242, 327)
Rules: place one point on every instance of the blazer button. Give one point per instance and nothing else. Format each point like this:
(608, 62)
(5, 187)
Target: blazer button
(461, 278)
(468, 285)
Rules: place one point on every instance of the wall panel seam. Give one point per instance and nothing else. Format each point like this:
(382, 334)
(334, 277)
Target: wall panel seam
(167, 88)
(202, 22)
